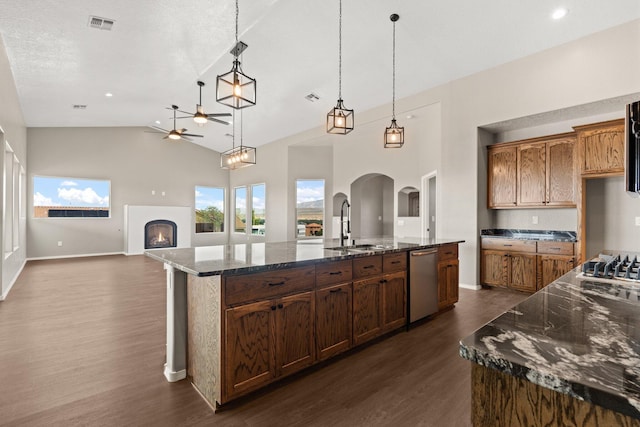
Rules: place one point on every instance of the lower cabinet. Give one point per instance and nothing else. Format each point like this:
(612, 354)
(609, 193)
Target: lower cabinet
(513, 270)
(551, 267)
(333, 320)
(448, 272)
(268, 339)
(379, 306)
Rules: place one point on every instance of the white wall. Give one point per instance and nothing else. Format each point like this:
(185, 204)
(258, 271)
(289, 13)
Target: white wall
(136, 163)
(13, 131)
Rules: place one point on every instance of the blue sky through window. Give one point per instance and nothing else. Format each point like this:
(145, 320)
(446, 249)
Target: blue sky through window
(210, 196)
(70, 192)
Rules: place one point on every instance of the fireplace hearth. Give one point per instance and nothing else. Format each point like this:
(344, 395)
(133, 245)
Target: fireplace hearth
(160, 233)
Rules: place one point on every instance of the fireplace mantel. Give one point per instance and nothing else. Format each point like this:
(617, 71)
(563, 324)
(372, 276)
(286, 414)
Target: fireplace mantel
(135, 218)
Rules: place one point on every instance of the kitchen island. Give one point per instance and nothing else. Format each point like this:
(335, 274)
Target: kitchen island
(567, 355)
(242, 316)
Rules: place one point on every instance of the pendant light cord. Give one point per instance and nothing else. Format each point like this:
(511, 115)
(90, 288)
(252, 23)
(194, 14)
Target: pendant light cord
(340, 51)
(394, 72)
(237, 13)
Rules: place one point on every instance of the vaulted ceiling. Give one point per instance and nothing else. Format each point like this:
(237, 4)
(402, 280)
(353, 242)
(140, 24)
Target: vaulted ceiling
(157, 50)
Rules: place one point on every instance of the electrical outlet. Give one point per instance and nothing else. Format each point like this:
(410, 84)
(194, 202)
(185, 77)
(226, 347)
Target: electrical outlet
(153, 192)
(400, 222)
(534, 219)
(638, 221)
(59, 242)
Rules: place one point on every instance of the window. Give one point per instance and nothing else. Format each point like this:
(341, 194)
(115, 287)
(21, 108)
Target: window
(309, 207)
(240, 210)
(70, 197)
(258, 220)
(209, 209)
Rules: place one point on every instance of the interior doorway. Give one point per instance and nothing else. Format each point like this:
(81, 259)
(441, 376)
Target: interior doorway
(429, 205)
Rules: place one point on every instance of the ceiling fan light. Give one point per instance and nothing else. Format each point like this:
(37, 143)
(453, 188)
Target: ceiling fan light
(174, 135)
(200, 117)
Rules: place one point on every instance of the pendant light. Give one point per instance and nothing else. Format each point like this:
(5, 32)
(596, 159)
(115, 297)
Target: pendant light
(236, 89)
(240, 156)
(340, 119)
(394, 135)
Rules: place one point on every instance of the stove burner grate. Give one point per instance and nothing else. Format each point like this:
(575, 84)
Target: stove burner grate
(613, 267)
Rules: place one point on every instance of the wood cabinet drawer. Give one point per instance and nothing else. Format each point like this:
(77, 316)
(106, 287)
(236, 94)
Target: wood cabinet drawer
(394, 262)
(249, 287)
(555, 248)
(333, 272)
(367, 266)
(509, 245)
(447, 252)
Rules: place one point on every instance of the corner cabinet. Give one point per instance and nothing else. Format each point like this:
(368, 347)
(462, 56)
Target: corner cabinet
(538, 172)
(601, 147)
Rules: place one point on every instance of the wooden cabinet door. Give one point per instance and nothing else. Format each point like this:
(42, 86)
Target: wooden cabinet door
(333, 320)
(494, 268)
(394, 301)
(249, 347)
(522, 272)
(367, 305)
(502, 177)
(602, 148)
(551, 267)
(531, 184)
(561, 173)
(447, 283)
(295, 343)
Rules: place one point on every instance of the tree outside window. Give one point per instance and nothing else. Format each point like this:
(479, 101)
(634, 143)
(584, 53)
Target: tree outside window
(209, 209)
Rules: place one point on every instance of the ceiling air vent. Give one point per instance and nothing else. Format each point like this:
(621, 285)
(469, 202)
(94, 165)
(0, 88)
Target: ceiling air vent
(312, 97)
(79, 106)
(101, 23)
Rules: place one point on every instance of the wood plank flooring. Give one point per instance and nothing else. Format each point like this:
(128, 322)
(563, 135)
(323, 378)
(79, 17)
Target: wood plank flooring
(82, 342)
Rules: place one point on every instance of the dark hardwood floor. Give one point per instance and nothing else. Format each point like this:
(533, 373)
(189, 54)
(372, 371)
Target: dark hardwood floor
(82, 342)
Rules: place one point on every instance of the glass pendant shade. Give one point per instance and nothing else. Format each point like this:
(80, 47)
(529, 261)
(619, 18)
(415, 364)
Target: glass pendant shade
(340, 119)
(236, 89)
(238, 157)
(394, 136)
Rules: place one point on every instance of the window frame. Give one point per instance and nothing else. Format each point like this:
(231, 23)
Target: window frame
(224, 216)
(235, 209)
(252, 198)
(109, 207)
(324, 207)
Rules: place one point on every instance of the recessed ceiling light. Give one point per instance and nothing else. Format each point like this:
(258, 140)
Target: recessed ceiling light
(108, 94)
(157, 122)
(559, 13)
(409, 116)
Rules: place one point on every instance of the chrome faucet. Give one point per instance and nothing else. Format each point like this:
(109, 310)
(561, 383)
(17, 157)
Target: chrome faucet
(344, 236)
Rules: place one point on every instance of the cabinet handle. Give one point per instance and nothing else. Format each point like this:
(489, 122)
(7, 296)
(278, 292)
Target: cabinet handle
(333, 291)
(333, 273)
(368, 266)
(280, 305)
(448, 253)
(273, 307)
(395, 262)
(554, 249)
(277, 284)
(383, 281)
(506, 245)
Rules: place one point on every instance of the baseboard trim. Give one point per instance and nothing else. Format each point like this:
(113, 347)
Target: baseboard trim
(173, 376)
(472, 287)
(4, 295)
(75, 256)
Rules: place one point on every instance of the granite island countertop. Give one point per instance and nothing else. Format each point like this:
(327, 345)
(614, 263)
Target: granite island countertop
(577, 336)
(255, 257)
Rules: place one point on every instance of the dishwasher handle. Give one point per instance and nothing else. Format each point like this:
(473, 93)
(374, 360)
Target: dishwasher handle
(423, 253)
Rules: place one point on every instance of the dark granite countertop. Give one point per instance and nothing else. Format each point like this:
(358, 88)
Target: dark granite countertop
(577, 336)
(557, 236)
(254, 257)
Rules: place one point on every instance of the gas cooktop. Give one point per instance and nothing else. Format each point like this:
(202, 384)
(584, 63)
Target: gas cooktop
(613, 267)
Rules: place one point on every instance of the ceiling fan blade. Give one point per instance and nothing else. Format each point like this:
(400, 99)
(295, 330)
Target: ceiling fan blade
(219, 115)
(191, 135)
(184, 117)
(217, 121)
(166, 137)
(185, 112)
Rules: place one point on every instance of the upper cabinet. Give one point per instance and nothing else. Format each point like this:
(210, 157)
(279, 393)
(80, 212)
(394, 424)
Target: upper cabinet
(601, 148)
(502, 177)
(538, 172)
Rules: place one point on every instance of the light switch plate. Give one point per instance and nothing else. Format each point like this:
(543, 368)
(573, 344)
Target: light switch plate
(638, 221)
(534, 219)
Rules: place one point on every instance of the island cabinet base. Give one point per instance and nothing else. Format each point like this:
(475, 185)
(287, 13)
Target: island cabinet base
(502, 400)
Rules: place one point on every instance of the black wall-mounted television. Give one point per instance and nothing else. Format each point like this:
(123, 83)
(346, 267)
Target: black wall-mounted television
(632, 149)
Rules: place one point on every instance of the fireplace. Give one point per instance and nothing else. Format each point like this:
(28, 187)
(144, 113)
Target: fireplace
(160, 233)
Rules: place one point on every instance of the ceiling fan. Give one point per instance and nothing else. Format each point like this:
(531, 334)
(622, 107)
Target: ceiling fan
(174, 133)
(200, 117)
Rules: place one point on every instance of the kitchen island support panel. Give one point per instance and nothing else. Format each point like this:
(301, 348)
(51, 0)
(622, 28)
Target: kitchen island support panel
(176, 367)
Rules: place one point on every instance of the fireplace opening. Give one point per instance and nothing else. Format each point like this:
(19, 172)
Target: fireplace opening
(160, 233)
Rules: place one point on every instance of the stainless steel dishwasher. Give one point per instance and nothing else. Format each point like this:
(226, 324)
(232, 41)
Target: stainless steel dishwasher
(423, 283)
